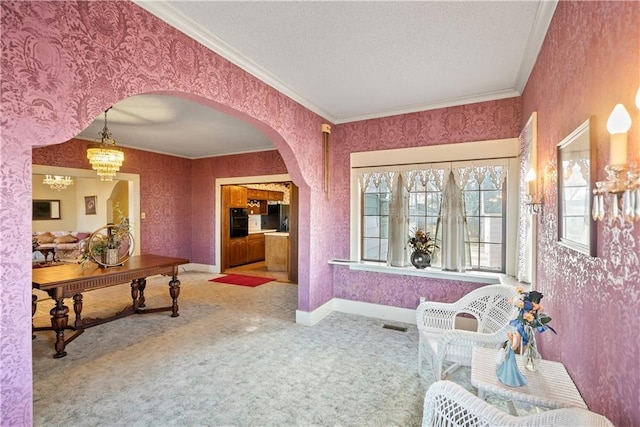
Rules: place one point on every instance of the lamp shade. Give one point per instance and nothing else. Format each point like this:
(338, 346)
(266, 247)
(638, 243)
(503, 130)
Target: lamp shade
(619, 120)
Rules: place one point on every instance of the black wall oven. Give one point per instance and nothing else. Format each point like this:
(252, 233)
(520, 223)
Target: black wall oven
(239, 218)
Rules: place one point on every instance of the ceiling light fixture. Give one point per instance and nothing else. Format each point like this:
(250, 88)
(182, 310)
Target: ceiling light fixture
(105, 157)
(57, 182)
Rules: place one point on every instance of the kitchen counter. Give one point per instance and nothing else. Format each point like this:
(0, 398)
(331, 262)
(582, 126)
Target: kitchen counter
(262, 231)
(277, 234)
(277, 251)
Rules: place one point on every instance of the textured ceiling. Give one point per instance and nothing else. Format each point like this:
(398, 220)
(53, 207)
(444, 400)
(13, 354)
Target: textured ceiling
(345, 60)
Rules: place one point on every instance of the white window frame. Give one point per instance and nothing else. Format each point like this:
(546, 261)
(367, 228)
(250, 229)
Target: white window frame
(460, 152)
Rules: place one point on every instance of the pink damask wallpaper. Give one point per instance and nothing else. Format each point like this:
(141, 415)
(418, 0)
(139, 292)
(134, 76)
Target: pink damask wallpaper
(57, 78)
(473, 122)
(165, 183)
(65, 62)
(204, 174)
(589, 62)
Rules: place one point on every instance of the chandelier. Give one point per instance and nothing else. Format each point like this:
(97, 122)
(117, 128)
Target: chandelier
(57, 182)
(105, 157)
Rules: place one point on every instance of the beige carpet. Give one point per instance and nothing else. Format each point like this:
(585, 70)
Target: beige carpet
(234, 357)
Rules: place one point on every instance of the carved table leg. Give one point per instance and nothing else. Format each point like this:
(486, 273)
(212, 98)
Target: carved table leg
(77, 309)
(34, 300)
(174, 291)
(134, 294)
(142, 283)
(59, 321)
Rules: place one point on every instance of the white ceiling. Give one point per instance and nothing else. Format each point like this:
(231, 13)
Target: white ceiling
(345, 60)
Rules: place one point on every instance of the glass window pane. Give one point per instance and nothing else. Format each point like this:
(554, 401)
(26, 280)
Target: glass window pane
(472, 203)
(490, 256)
(371, 249)
(473, 225)
(384, 243)
(371, 204)
(371, 226)
(433, 203)
(416, 223)
(472, 185)
(384, 204)
(475, 247)
(492, 202)
(487, 182)
(384, 227)
(491, 229)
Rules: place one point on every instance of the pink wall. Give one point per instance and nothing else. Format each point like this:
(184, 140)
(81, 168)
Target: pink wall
(473, 122)
(589, 62)
(54, 83)
(165, 195)
(204, 173)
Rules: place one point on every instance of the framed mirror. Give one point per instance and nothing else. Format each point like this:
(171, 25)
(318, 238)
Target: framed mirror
(46, 209)
(576, 180)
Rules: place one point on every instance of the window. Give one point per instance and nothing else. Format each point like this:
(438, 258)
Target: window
(375, 221)
(486, 221)
(484, 188)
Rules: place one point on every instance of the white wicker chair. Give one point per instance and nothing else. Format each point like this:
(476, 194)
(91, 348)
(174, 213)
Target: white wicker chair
(440, 342)
(449, 404)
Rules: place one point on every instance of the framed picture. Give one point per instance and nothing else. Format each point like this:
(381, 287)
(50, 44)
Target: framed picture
(90, 205)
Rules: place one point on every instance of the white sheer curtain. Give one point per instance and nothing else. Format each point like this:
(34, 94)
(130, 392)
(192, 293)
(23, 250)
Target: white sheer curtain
(452, 228)
(397, 255)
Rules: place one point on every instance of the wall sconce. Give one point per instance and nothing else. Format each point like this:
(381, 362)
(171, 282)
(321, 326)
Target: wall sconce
(532, 203)
(623, 179)
(326, 131)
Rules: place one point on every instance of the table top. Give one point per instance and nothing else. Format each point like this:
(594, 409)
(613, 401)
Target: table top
(61, 275)
(550, 386)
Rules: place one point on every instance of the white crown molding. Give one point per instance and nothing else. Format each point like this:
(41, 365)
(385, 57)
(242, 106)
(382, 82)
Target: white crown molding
(452, 102)
(186, 25)
(167, 13)
(541, 22)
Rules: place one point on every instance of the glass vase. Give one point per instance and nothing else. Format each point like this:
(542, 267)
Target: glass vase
(531, 355)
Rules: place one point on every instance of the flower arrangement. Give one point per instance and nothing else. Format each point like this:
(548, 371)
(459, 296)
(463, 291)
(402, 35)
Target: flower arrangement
(111, 236)
(421, 241)
(531, 316)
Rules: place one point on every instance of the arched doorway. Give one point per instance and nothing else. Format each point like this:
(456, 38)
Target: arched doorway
(58, 79)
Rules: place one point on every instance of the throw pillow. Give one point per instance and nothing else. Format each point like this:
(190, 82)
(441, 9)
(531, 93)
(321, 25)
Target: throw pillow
(82, 236)
(45, 238)
(65, 239)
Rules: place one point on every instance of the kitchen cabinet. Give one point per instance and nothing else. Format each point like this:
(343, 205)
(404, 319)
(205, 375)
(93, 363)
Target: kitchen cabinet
(238, 251)
(253, 194)
(277, 196)
(257, 207)
(235, 196)
(256, 247)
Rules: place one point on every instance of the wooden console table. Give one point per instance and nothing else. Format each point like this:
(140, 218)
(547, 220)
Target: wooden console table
(69, 281)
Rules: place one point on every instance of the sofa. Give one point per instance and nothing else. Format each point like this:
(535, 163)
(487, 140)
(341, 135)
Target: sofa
(61, 245)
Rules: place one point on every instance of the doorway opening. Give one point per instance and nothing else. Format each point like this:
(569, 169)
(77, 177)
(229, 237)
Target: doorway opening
(267, 246)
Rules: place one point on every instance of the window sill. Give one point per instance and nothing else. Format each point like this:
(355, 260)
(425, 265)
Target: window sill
(436, 273)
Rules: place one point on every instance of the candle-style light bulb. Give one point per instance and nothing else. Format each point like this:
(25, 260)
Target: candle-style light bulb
(638, 98)
(618, 125)
(530, 177)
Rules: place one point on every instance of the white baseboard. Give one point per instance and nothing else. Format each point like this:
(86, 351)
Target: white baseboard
(205, 268)
(384, 312)
(310, 318)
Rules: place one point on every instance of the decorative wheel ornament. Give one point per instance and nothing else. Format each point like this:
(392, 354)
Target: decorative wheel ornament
(110, 246)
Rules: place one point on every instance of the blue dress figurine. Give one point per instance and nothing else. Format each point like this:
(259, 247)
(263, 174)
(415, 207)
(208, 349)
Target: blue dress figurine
(507, 369)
